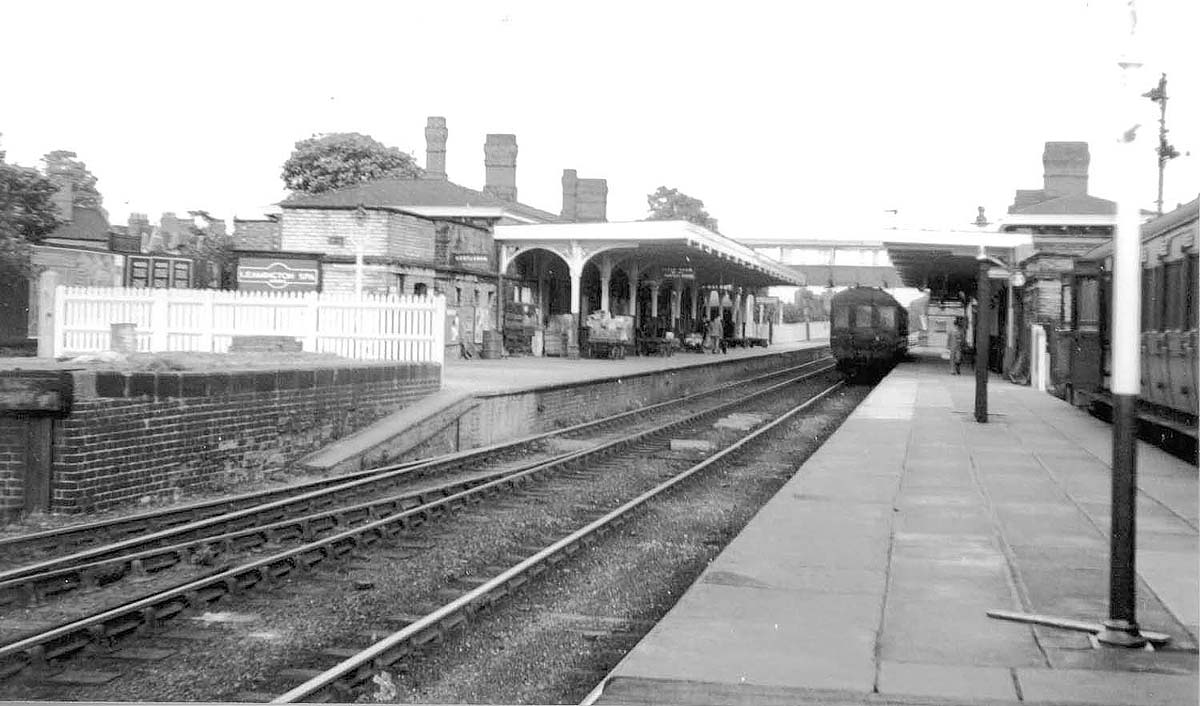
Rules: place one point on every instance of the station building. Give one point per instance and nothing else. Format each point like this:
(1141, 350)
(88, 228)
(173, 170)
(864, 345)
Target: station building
(484, 249)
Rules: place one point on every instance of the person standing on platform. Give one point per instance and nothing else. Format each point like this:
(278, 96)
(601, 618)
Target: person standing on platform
(954, 341)
(713, 335)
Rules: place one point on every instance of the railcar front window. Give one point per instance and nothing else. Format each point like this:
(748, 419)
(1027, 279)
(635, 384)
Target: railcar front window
(862, 316)
(841, 318)
(887, 316)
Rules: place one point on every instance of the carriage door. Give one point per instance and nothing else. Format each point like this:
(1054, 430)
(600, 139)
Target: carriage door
(1086, 354)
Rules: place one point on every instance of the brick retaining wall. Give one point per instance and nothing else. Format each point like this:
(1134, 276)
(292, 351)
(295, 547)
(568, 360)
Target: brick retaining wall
(132, 435)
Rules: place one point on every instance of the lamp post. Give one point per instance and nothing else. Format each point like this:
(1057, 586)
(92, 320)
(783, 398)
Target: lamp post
(1121, 628)
(983, 325)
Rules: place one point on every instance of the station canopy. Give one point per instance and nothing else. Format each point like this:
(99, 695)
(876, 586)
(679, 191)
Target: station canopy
(948, 260)
(681, 245)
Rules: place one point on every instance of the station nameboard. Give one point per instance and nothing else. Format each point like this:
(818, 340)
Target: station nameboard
(768, 301)
(679, 272)
(278, 274)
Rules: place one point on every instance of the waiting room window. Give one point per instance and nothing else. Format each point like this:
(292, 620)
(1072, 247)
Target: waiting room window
(420, 289)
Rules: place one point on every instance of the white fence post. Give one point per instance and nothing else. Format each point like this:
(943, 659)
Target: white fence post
(208, 321)
(159, 321)
(49, 303)
(312, 321)
(439, 330)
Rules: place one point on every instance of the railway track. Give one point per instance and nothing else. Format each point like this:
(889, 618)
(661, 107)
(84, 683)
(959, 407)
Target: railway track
(19, 552)
(383, 520)
(306, 512)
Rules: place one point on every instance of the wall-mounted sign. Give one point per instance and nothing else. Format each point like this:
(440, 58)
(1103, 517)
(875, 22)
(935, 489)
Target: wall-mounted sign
(158, 272)
(679, 273)
(768, 301)
(278, 273)
(471, 258)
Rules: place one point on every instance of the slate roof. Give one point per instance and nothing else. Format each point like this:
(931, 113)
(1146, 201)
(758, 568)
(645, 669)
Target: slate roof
(398, 193)
(1079, 204)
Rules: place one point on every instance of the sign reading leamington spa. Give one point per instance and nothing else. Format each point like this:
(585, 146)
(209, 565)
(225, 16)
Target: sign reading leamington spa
(278, 274)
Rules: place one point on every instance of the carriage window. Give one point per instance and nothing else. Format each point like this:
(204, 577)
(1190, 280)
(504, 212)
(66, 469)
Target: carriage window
(841, 317)
(1190, 311)
(1149, 298)
(887, 316)
(862, 316)
(1173, 301)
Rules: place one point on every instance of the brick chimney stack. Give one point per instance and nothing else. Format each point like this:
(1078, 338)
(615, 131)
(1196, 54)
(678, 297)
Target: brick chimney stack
(1065, 166)
(435, 148)
(500, 164)
(64, 198)
(570, 180)
(584, 200)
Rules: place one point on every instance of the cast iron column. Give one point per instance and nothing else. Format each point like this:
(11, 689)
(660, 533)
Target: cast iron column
(983, 324)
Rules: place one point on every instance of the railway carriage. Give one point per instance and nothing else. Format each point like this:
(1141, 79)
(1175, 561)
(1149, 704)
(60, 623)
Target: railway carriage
(1169, 321)
(868, 331)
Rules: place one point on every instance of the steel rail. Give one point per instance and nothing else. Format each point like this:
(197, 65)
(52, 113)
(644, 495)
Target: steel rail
(180, 516)
(395, 646)
(201, 592)
(378, 478)
(28, 589)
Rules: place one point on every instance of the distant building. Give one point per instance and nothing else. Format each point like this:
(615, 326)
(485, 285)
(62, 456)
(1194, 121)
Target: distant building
(416, 235)
(1064, 222)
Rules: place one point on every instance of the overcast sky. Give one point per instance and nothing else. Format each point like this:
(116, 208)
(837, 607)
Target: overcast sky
(782, 117)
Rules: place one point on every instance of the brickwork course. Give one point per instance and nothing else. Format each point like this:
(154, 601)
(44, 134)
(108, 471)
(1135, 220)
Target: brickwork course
(133, 435)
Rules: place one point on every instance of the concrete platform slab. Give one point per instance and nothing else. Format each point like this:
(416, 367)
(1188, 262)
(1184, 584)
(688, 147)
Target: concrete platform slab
(946, 682)
(1099, 687)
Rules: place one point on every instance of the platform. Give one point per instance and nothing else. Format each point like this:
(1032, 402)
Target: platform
(867, 578)
(478, 376)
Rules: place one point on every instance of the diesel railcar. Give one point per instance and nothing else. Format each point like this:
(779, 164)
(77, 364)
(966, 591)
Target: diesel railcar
(1168, 320)
(868, 331)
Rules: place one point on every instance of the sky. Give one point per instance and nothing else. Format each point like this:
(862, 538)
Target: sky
(785, 118)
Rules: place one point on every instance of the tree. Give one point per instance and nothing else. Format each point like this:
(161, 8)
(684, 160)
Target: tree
(672, 205)
(215, 258)
(65, 165)
(27, 215)
(342, 159)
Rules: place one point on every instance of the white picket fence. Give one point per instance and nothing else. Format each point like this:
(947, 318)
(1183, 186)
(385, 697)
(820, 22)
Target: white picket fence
(407, 328)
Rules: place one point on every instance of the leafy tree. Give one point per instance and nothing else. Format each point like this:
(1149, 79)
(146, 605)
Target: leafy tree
(27, 215)
(673, 205)
(64, 163)
(216, 261)
(340, 159)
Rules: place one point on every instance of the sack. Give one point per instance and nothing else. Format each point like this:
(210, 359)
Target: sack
(945, 355)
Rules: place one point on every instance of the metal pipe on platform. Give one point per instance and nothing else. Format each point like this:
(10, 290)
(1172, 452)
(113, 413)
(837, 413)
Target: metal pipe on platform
(983, 326)
(1121, 628)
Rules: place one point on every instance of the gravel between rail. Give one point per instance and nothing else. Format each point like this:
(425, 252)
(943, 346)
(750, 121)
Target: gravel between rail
(262, 635)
